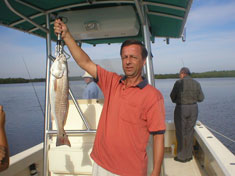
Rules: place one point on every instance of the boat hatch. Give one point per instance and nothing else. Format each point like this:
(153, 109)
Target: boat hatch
(102, 22)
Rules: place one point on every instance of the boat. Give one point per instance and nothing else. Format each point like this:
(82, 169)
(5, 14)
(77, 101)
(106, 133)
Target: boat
(105, 22)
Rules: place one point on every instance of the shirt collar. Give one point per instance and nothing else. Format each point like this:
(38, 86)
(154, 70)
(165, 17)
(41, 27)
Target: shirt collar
(141, 85)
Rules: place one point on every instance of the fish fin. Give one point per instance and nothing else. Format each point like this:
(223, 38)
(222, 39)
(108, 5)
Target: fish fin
(63, 140)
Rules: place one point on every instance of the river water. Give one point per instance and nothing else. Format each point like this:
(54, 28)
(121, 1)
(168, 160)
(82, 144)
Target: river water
(25, 122)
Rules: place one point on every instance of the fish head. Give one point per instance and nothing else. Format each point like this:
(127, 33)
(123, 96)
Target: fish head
(62, 58)
(57, 69)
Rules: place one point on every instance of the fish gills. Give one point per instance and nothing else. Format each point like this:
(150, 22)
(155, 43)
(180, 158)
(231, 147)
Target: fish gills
(59, 90)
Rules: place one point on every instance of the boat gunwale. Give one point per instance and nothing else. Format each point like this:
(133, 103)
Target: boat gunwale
(218, 151)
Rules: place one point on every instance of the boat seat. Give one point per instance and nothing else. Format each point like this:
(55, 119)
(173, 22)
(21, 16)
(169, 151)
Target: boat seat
(75, 160)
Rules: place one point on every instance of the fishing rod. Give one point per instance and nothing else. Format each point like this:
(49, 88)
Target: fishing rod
(33, 88)
(231, 140)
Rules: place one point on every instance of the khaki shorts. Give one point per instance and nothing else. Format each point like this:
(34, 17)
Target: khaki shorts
(99, 171)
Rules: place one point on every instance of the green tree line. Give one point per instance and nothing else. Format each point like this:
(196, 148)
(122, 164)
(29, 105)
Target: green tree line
(210, 74)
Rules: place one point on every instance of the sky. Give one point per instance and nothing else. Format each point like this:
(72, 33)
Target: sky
(209, 46)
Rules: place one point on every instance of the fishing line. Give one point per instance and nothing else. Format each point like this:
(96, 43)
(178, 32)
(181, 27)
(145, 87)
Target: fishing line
(231, 140)
(33, 87)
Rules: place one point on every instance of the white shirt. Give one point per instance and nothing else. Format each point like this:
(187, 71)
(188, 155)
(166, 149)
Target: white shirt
(91, 91)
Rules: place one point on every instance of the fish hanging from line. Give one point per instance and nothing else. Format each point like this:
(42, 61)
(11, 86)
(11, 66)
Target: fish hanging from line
(59, 91)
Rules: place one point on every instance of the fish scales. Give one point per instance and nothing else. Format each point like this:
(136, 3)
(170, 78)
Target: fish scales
(59, 91)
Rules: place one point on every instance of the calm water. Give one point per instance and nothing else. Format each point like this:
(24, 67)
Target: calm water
(25, 120)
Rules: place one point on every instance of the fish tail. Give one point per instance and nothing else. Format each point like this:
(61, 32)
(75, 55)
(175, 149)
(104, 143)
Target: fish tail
(63, 140)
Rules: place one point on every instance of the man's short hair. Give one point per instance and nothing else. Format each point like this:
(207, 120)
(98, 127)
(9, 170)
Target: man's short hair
(144, 51)
(185, 70)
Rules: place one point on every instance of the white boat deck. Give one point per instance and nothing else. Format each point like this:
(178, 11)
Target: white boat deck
(175, 168)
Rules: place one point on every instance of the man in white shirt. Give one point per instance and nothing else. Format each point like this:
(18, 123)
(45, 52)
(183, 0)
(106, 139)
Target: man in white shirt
(91, 90)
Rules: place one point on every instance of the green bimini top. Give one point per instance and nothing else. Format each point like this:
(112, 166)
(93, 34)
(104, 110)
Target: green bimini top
(165, 18)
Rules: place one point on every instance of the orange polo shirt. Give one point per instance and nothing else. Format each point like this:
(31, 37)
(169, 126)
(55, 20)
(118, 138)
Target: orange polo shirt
(129, 115)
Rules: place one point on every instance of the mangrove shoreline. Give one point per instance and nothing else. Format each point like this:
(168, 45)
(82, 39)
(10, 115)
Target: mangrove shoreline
(210, 74)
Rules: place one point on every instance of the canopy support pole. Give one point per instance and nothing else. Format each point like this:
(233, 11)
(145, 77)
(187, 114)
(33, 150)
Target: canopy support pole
(46, 119)
(149, 61)
(147, 42)
(144, 22)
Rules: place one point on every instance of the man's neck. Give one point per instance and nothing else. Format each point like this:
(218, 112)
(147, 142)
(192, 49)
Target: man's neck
(133, 81)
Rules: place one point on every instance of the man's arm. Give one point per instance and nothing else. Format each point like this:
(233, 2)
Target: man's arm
(158, 153)
(200, 96)
(173, 94)
(4, 152)
(82, 59)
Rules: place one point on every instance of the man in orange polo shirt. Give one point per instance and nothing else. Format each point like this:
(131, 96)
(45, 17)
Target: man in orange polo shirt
(132, 111)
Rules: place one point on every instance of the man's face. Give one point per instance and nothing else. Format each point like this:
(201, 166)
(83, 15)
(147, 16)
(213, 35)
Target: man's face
(181, 75)
(132, 61)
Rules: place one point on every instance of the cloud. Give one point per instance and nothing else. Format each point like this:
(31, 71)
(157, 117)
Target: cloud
(212, 51)
(211, 14)
(17, 45)
(209, 44)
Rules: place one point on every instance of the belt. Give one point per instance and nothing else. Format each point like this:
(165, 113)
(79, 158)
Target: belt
(186, 104)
